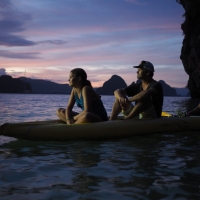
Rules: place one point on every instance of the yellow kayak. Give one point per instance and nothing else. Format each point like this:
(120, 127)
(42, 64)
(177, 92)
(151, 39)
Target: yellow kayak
(166, 114)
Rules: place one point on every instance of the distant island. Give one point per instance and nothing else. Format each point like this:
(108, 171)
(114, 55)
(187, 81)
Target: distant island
(14, 85)
(39, 86)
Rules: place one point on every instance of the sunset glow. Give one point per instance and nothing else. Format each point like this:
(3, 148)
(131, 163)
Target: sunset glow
(47, 39)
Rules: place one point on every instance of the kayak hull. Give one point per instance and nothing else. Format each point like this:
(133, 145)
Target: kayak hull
(57, 131)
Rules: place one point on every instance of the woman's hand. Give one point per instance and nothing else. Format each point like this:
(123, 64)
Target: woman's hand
(70, 121)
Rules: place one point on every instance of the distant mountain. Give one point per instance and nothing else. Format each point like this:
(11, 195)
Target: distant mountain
(167, 89)
(14, 85)
(40, 86)
(111, 85)
(188, 94)
(182, 91)
(116, 82)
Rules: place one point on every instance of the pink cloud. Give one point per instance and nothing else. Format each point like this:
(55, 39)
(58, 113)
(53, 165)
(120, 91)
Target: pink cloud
(102, 40)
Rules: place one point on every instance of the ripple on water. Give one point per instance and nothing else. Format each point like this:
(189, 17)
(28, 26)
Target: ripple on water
(149, 167)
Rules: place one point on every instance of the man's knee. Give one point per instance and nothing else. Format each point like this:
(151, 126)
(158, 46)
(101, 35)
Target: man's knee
(116, 102)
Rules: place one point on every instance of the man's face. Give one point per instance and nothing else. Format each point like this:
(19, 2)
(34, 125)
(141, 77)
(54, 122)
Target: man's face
(141, 73)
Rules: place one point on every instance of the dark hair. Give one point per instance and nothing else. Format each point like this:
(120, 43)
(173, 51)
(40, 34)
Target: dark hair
(79, 72)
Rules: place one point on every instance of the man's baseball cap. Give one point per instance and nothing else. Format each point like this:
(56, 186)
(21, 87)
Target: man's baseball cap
(146, 65)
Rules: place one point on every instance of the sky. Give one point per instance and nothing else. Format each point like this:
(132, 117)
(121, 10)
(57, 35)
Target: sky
(46, 39)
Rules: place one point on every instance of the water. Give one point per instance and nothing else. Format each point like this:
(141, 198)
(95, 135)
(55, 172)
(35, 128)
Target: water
(159, 166)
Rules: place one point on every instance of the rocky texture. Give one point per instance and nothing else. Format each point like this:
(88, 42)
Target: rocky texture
(190, 53)
(13, 85)
(111, 85)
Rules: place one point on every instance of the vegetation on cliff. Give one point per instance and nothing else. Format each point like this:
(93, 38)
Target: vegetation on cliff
(190, 52)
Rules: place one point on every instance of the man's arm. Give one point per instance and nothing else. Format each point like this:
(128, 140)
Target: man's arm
(194, 111)
(142, 99)
(120, 94)
(143, 95)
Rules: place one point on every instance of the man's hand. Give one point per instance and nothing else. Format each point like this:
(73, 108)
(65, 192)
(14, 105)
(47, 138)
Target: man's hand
(124, 102)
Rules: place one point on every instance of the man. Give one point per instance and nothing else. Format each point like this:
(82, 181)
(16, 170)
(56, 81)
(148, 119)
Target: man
(147, 95)
(194, 112)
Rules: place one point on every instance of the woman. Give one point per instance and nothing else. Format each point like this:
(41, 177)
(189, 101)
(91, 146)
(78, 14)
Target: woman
(85, 97)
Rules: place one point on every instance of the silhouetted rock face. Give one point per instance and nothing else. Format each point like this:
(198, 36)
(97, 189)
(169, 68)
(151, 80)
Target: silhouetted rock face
(190, 53)
(167, 90)
(13, 85)
(108, 88)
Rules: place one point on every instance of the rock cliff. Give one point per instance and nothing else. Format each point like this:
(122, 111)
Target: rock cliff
(190, 52)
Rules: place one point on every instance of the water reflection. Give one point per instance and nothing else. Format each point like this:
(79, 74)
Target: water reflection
(29, 107)
(152, 167)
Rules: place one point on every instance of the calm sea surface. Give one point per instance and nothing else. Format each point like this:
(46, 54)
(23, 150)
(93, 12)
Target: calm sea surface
(154, 167)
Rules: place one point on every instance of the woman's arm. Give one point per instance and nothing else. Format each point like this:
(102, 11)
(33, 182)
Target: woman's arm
(88, 95)
(68, 111)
